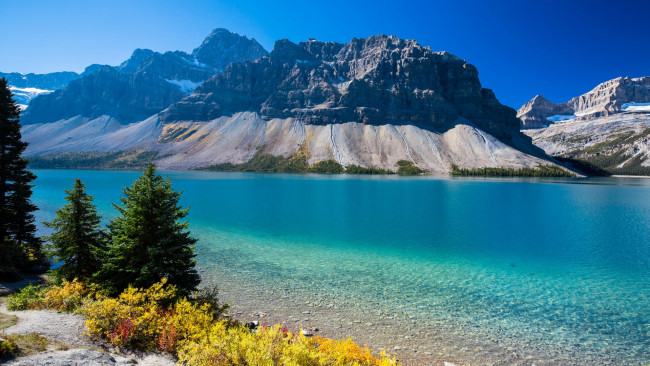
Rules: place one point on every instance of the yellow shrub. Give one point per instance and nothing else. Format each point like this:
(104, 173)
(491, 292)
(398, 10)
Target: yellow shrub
(273, 346)
(143, 318)
(68, 297)
(134, 319)
(146, 319)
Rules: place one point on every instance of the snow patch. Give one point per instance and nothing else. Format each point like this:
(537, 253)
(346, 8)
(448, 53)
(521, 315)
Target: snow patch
(585, 113)
(25, 95)
(195, 62)
(636, 107)
(560, 117)
(187, 86)
(22, 107)
(34, 91)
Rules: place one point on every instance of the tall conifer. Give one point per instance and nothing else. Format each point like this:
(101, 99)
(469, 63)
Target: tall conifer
(78, 240)
(148, 241)
(19, 246)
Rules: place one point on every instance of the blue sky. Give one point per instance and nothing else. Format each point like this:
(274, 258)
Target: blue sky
(521, 48)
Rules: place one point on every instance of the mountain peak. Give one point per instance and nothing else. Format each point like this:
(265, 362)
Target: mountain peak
(221, 46)
(375, 80)
(137, 57)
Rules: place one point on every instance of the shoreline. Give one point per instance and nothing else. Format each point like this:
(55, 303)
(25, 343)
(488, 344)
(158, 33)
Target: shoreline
(631, 176)
(413, 340)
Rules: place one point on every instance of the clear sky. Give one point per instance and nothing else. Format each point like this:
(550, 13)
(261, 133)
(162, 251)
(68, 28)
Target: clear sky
(521, 48)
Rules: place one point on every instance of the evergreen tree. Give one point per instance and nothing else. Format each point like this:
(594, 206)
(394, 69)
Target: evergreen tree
(19, 246)
(148, 241)
(78, 240)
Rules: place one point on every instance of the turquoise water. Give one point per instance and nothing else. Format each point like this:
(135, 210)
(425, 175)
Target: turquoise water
(560, 267)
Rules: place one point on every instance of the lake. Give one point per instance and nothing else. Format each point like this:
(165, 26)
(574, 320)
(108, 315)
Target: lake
(473, 271)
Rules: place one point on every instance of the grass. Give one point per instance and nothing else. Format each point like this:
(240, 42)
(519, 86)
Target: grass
(18, 345)
(539, 171)
(7, 320)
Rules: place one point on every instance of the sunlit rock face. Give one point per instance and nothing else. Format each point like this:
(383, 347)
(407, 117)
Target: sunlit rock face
(611, 97)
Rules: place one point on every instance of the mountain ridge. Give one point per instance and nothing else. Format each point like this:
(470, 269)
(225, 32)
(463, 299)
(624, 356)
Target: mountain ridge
(327, 82)
(371, 102)
(142, 85)
(605, 99)
(607, 128)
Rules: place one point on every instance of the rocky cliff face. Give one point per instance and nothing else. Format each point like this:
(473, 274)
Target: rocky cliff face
(125, 97)
(371, 102)
(608, 98)
(376, 80)
(608, 127)
(144, 84)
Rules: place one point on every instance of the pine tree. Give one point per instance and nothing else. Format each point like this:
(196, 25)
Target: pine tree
(78, 240)
(19, 246)
(148, 241)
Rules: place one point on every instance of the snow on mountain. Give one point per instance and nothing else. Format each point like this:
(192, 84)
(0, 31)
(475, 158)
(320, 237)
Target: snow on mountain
(187, 86)
(636, 107)
(25, 95)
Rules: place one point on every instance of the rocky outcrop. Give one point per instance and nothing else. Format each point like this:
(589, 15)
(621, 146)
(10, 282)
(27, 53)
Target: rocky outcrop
(375, 80)
(609, 127)
(606, 99)
(144, 84)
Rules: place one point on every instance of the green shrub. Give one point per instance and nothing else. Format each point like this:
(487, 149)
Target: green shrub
(408, 168)
(9, 349)
(30, 297)
(327, 167)
(355, 169)
(17, 345)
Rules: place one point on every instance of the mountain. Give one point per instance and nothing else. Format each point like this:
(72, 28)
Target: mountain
(608, 127)
(609, 98)
(144, 84)
(371, 102)
(27, 86)
(374, 80)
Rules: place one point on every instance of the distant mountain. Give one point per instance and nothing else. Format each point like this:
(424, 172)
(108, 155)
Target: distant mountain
(371, 102)
(608, 127)
(27, 86)
(609, 98)
(144, 84)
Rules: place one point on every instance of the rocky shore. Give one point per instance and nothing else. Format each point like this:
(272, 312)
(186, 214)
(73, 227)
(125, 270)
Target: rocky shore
(415, 339)
(67, 343)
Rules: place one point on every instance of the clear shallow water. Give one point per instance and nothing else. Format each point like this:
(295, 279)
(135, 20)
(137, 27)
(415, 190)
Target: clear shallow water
(560, 267)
